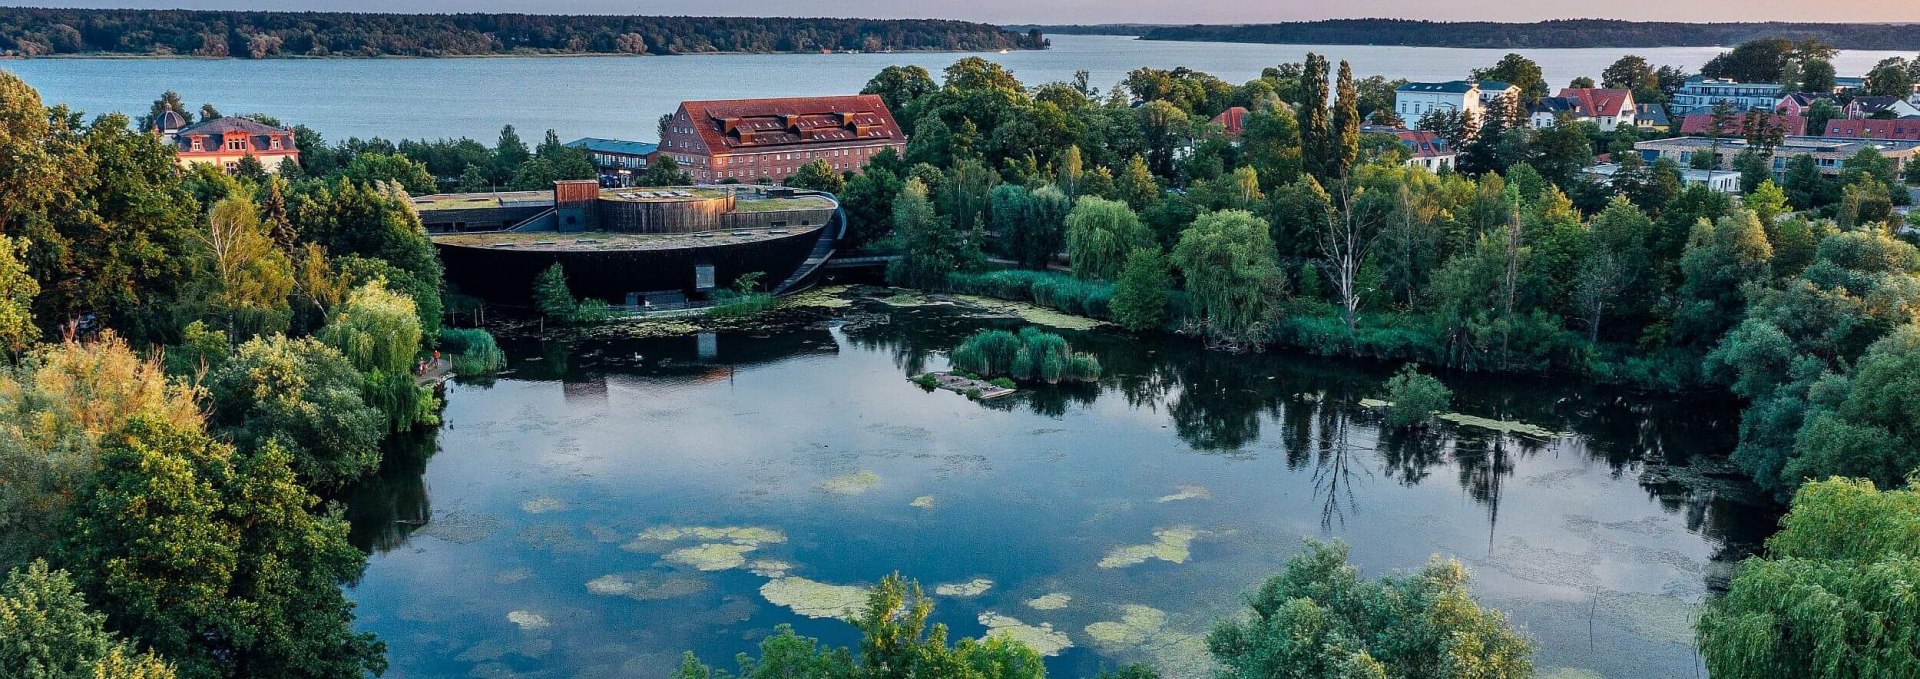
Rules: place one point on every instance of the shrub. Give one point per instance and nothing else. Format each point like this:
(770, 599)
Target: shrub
(1415, 397)
(1029, 355)
(1045, 288)
(472, 351)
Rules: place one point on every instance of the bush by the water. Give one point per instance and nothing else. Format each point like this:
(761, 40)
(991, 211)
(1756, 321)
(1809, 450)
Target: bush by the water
(1045, 288)
(556, 301)
(1029, 355)
(1416, 397)
(472, 351)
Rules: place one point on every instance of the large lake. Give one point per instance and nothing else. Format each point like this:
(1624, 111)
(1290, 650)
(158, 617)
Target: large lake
(623, 97)
(609, 503)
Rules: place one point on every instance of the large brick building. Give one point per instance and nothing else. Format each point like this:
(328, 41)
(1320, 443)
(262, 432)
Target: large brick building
(753, 139)
(224, 142)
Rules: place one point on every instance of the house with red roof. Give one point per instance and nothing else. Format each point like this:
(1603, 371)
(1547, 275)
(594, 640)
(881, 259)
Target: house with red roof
(1233, 120)
(226, 141)
(1430, 150)
(1899, 128)
(748, 140)
(1799, 103)
(1609, 108)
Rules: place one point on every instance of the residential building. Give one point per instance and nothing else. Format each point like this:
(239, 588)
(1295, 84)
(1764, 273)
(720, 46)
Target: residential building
(1429, 149)
(1233, 120)
(1721, 181)
(1550, 110)
(1899, 128)
(1799, 103)
(1828, 154)
(617, 159)
(1468, 97)
(1702, 124)
(1608, 108)
(1652, 117)
(1492, 91)
(225, 142)
(749, 140)
(1700, 92)
(1848, 83)
(1881, 107)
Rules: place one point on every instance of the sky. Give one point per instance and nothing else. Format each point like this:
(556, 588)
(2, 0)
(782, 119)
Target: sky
(1118, 11)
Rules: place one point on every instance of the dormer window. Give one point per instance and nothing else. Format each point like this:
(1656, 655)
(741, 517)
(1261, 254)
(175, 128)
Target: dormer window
(197, 146)
(236, 144)
(273, 143)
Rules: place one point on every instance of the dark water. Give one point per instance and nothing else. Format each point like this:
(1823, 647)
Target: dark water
(544, 478)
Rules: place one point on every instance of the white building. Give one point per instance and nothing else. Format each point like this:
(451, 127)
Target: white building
(1413, 100)
(1720, 181)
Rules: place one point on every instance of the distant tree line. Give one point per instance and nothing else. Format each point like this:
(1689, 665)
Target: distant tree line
(30, 31)
(1565, 33)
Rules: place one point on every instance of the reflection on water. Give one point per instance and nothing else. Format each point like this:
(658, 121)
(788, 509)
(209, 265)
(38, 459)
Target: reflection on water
(515, 542)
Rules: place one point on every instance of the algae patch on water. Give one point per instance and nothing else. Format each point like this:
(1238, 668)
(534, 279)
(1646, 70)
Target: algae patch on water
(1170, 544)
(970, 588)
(922, 502)
(1375, 403)
(1502, 426)
(769, 568)
(831, 297)
(645, 587)
(1041, 638)
(815, 599)
(659, 537)
(542, 505)
(1177, 653)
(1136, 623)
(712, 556)
(1187, 491)
(1050, 602)
(851, 484)
(528, 620)
(1031, 313)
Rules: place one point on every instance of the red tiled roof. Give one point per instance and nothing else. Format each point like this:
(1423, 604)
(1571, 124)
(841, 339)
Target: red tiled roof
(259, 136)
(1702, 124)
(1424, 143)
(1234, 119)
(1875, 129)
(794, 122)
(1601, 102)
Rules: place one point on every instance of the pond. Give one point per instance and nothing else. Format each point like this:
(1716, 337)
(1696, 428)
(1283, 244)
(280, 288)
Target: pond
(609, 503)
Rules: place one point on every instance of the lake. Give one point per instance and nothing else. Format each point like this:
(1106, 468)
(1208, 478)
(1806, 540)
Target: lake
(608, 503)
(623, 97)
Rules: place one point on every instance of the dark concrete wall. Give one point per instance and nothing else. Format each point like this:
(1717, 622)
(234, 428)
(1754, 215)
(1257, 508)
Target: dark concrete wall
(507, 274)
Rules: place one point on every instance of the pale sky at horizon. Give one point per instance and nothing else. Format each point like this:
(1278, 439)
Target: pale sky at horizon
(1115, 11)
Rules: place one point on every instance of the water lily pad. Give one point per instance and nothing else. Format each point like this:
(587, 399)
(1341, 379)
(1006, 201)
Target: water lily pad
(712, 556)
(1050, 602)
(1170, 544)
(1041, 638)
(1187, 491)
(528, 620)
(970, 588)
(851, 484)
(815, 599)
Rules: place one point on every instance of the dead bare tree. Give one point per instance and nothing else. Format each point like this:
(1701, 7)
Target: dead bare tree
(1354, 225)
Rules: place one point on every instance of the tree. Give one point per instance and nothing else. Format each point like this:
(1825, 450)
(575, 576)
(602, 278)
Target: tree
(1817, 75)
(1270, 142)
(1317, 618)
(48, 632)
(1346, 125)
(901, 87)
(1581, 83)
(374, 233)
(1140, 295)
(1517, 71)
(818, 175)
(1721, 259)
(1831, 597)
(1353, 227)
(1100, 235)
(664, 171)
(1164, 128)
(304, 397)
(1228, 261)
(1317, 142)
(1892, 77)
(217, 561)
(379, 333)
(1136, 185)
(17, 290)
(932, 248)
(1032, 224)
(868, 201)
(508, 154)
(1414, 398)
(247, 277)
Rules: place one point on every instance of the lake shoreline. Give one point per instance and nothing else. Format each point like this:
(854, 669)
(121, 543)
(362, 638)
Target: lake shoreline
(119, 56)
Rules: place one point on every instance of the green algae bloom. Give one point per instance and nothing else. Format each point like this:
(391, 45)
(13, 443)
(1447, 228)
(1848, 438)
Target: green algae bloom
(1188, 491)
(970, 588)
(645, 588)
(1041, 638)
(658, 537)
(1136, 623)
(528, 620)
(831, 297)
(1375, 403)
(1050, 602)
(1031, 313)
(543, 505)
(1176, 653)
(922, 502)
(851, 484)
(815, 599)
(712, 556)
(1502, 426)
(1171, 545)
(769, 568)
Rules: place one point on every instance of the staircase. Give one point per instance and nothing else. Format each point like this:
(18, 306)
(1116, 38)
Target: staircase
(822, 251)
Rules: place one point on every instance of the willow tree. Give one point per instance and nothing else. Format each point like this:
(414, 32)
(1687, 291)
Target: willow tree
(1228, 261)
(379, 333)
(1834, 595)
(1100, 235)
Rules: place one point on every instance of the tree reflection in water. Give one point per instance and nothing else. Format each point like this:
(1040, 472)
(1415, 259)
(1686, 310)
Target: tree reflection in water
(381, 511)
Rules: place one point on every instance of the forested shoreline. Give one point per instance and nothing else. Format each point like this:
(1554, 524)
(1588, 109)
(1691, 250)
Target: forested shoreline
(1568, 33)
(34, 32)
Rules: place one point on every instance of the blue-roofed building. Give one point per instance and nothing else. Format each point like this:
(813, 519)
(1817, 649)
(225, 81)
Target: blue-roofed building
(618, 160)
(1467, 97)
